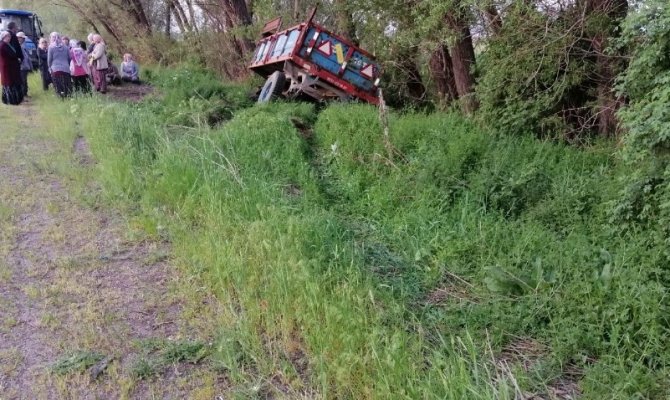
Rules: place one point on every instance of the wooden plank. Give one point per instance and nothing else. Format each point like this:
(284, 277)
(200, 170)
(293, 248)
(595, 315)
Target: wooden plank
(271, 27)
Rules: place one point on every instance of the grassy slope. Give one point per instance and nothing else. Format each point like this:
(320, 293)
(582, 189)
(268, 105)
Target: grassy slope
(344, 271)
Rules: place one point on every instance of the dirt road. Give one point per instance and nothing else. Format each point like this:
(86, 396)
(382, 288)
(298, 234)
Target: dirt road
(88, 308)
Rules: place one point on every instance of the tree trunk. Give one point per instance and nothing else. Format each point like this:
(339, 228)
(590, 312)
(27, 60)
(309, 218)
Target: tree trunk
(238, 12)
(193, 19)
(184, 24)
(345, 22)
(296, 9)
(607, 66)
(137, 10)
(238, 15)
(463, 57)
(168, 17)
(441, 70)
(416, 90)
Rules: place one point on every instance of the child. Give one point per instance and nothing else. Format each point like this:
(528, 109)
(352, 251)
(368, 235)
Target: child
(44, 67)
(130, 71)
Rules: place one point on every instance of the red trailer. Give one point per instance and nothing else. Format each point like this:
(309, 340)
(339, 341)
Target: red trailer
(307, 59)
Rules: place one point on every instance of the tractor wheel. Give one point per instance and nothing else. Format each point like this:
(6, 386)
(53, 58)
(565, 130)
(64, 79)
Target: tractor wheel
(273, 87)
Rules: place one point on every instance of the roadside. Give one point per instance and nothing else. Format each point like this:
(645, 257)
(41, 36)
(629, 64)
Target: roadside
(88, 303)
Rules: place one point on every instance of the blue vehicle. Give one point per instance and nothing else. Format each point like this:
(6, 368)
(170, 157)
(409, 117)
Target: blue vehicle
(29, 23)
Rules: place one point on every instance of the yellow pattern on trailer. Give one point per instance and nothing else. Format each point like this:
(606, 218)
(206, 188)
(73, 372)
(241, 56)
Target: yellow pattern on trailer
(339, 52)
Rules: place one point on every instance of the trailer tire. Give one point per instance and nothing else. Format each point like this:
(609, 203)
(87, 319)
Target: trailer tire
(273, 87)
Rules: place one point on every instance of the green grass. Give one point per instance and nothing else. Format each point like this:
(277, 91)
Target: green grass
(347, 271)
(155, 355)
(78, 361)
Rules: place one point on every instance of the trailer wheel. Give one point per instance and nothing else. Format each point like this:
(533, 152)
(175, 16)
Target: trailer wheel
(273, 87)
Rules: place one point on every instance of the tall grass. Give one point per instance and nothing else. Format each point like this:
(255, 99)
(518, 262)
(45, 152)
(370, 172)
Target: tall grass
(348, 267)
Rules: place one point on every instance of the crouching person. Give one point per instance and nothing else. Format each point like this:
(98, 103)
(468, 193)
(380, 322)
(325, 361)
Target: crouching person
(130, 71)
(113, 76)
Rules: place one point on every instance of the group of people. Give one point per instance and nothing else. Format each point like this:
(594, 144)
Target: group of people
(68, 65)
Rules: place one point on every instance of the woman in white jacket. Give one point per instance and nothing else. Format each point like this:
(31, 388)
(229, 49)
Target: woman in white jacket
(99, 64)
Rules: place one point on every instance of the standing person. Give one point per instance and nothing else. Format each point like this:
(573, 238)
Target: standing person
(89, 50)
(10, 71)
(26, 64)
(58, 59)
(66, 41)
(130, 71)
(98, 63)
(42, 49)
(14, 42)
(79, 69)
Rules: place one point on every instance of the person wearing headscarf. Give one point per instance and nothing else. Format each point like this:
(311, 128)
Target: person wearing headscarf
(13, 30)
(90, 46)
(42, 49)
(99, 64)
(130, 71)
(10, 71)
(58, 59)
(79, 69)
(89, 50)
(26, 64)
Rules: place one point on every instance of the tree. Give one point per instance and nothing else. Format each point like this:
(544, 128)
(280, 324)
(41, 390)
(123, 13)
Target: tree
(442, 72)
(463, 56)
(609, 14)
(344, 21)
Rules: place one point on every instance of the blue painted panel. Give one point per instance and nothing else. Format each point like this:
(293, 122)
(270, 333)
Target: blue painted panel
(260, 52)
(290, 42)
(21, 13)
(330, 63)
(29, 44)
(279, 47)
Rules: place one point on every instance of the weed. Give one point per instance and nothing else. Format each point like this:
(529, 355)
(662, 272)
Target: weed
(143, 368)
(158, 354)
(78, 361)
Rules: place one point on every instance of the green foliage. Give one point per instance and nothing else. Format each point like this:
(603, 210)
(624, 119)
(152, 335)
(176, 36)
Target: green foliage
(647, 82)
(531, 72)
(78, 361)
(359, 267)
(192, 96)
(157, 354)
(643, 203)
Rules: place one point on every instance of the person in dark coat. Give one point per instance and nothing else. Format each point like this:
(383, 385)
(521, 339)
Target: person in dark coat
(10, 71)
(42, 52)
(13, 30)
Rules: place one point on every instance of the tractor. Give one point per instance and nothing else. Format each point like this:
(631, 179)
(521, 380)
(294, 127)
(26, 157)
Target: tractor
(27, 22)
